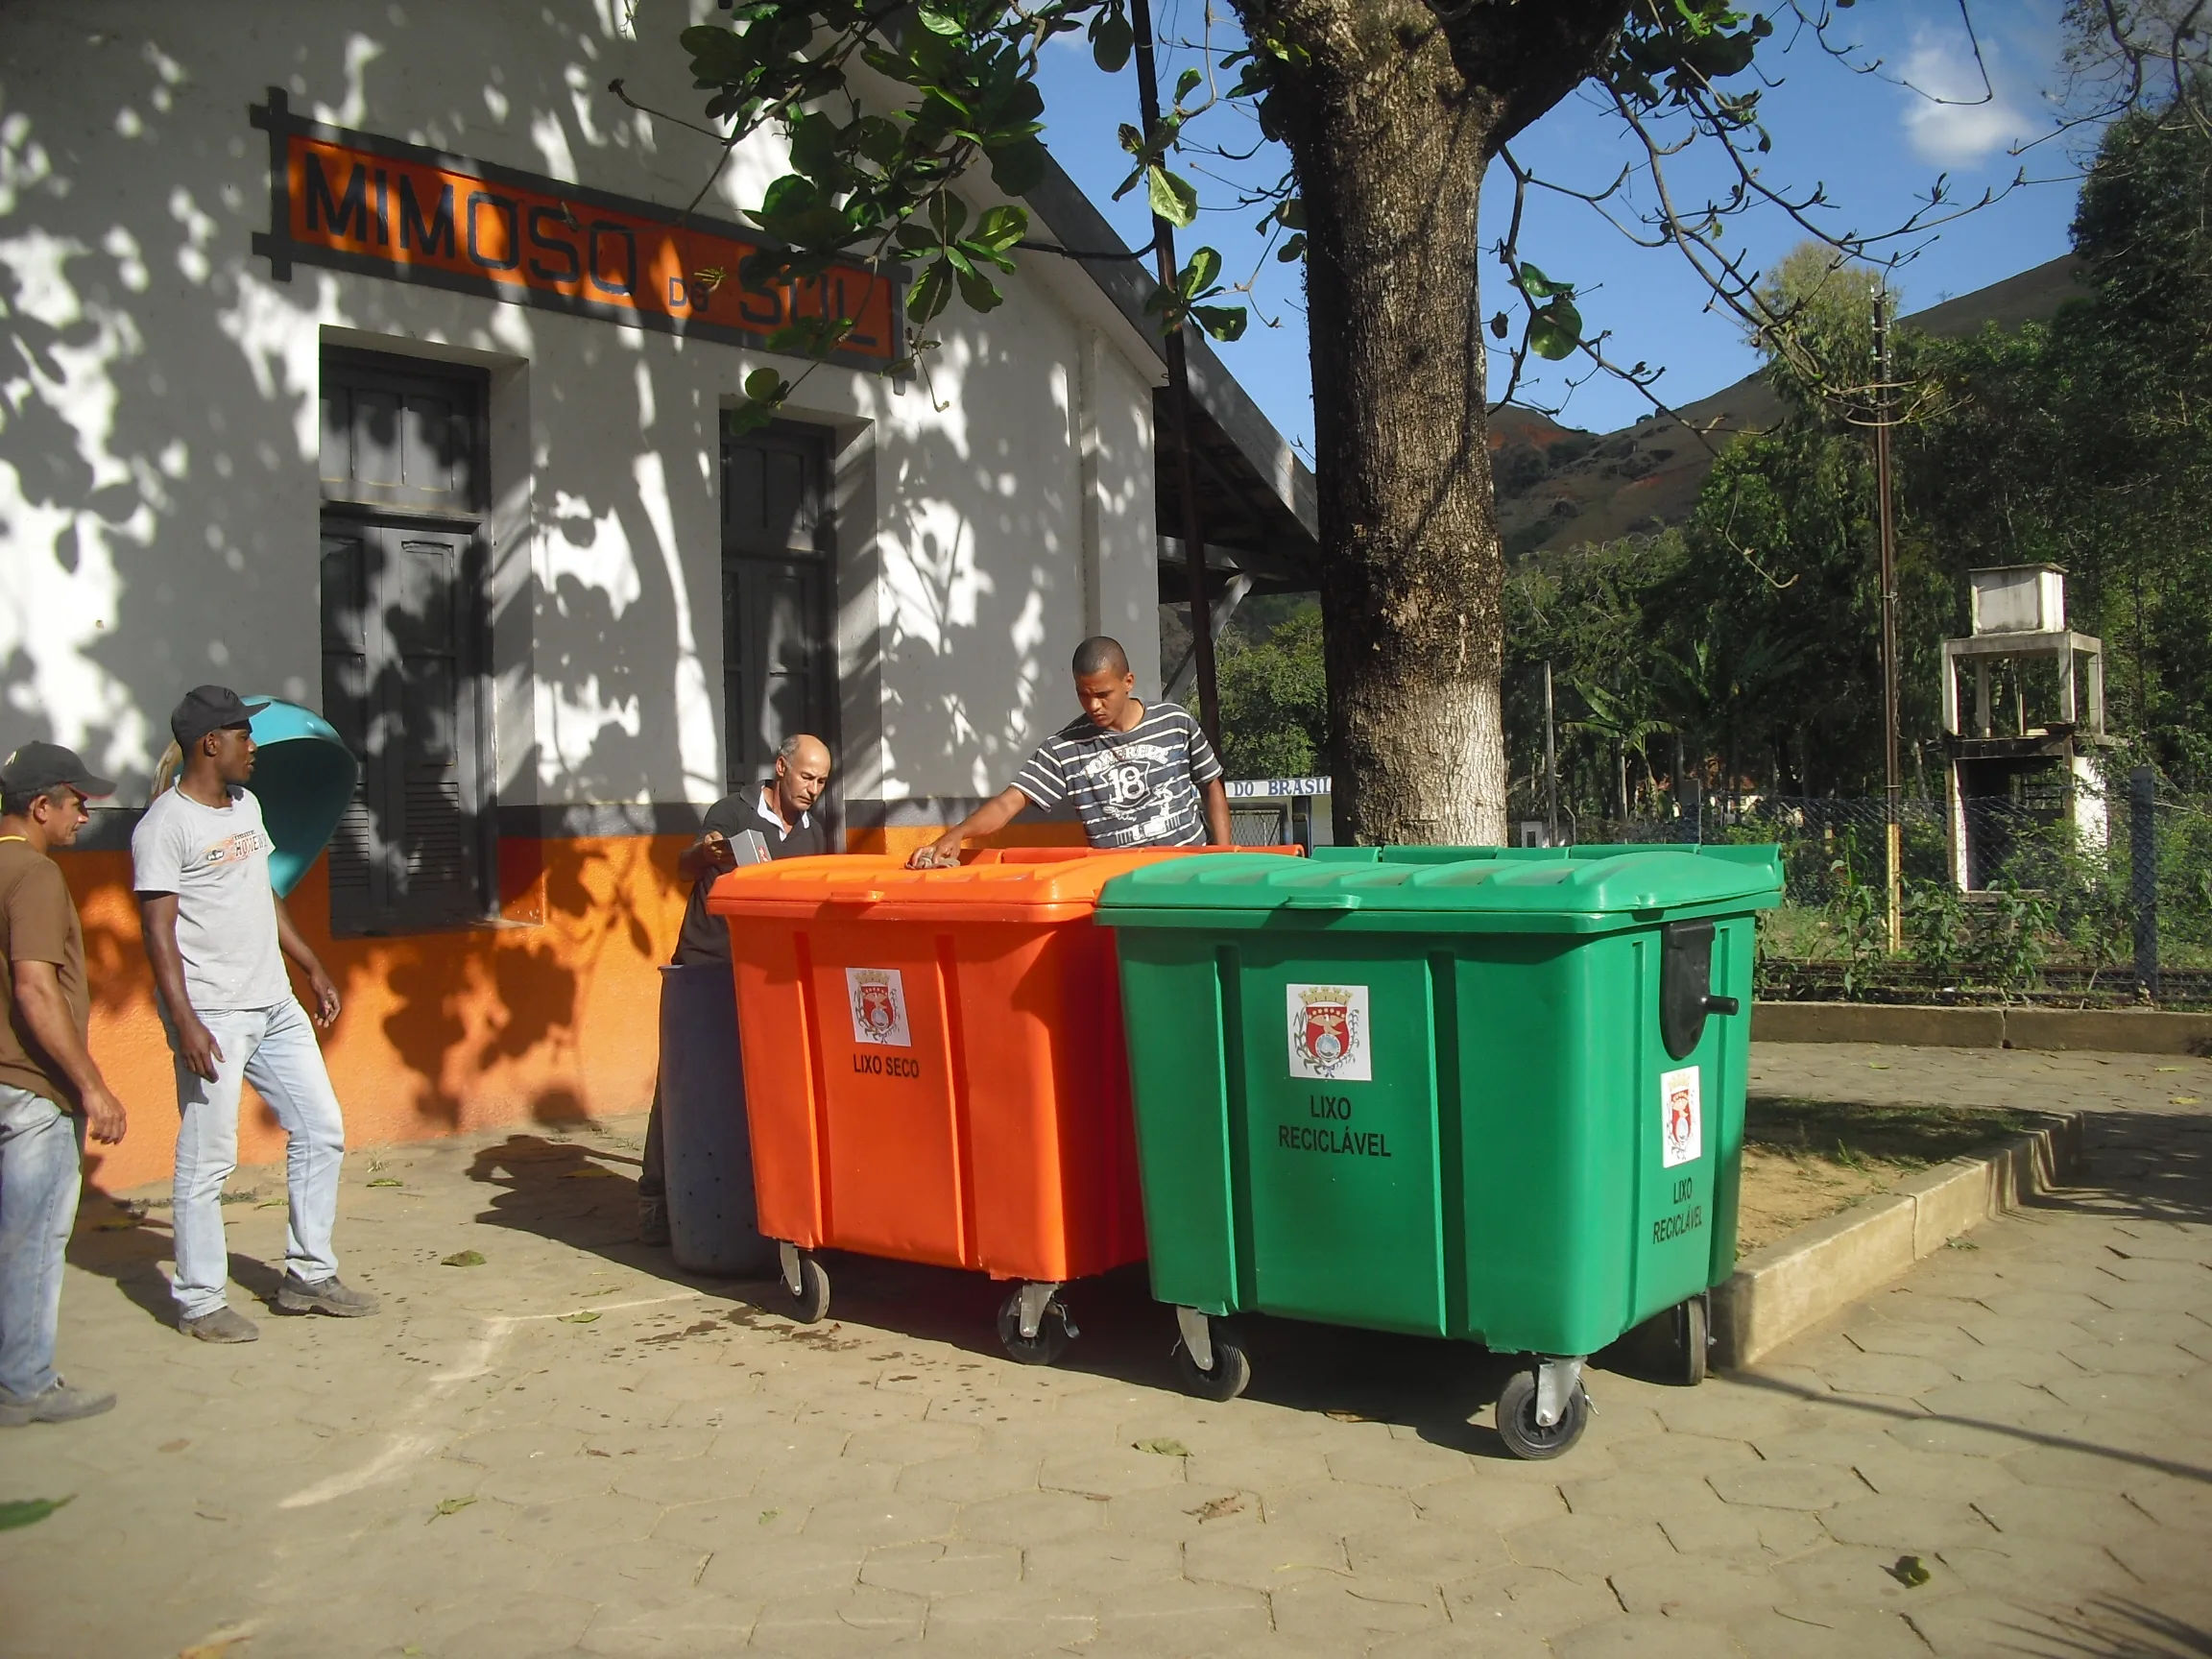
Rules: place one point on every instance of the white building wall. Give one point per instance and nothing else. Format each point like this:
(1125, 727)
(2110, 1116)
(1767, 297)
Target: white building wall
(158, 499)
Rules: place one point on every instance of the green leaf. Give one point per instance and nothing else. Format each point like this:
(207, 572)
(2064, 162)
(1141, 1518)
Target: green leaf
(750, 418)
(949, 214)
(450, 1506)
(1111, 40)
(979, 291)
(1199, 276)
(1163, 1446)
(1131, 139)
(790, 195)
(807, 337)
(1001, 227)
(1021, 104)
(1500, 326)
(1554, 331)
(942, 106)
(588, 1316)
(764, 385)
(25, 1511)
(1186, 82)
(463, 1259)
(1293, 248)
(929, 293)
(1541, 286)
(879, 139)
(718, 56)
(1018, 168)
(1171, 198)
(814, 148)
(1223, 322)
(387, 1181)
(939, 22)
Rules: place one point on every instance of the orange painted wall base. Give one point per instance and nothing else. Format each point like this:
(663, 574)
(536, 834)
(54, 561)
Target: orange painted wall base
(548, 1016)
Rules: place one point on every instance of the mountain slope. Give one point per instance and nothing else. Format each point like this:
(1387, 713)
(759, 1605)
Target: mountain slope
(1557, 486)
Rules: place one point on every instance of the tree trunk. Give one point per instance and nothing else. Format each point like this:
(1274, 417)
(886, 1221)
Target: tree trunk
(1391, 127)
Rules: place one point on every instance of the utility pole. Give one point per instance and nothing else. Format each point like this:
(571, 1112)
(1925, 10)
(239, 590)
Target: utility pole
(1892, 780)
(1550, 766)
(1179, 406)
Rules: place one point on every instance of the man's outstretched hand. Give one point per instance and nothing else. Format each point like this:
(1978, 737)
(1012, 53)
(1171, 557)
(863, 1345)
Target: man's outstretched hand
(941, 853)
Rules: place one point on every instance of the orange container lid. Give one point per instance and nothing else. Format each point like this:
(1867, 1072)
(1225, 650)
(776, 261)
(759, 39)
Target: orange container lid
(1024, 884)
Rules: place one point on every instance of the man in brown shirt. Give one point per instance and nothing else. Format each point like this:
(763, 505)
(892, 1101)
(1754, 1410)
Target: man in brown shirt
(48, 1083)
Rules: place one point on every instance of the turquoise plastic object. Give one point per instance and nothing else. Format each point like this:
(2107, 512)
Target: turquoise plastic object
(303, 775)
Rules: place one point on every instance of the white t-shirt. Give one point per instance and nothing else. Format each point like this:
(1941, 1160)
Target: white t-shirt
(217, 864)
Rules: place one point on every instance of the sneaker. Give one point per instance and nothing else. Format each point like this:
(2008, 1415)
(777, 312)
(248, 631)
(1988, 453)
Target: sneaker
(59, 1404)
(224, 1325)
(651, 1220)
(323, 1296)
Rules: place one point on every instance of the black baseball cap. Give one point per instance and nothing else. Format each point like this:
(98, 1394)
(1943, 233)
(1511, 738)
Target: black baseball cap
(38, 767)
(209, 709)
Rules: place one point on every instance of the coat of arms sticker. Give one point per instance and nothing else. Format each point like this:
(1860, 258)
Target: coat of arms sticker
(1329, 1033)
(1681, 1118)
(878, 998)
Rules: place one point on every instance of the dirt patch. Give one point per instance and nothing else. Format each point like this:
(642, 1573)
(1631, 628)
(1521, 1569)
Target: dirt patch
(1807, 1160)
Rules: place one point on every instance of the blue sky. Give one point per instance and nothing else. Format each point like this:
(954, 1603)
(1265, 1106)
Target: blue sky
(1876, 141)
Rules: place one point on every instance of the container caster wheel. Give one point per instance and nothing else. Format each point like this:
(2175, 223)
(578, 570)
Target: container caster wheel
(1519, 1426)
(1227, 1371)
(1054, 1329)
(805, 1286)
(1694, 1330)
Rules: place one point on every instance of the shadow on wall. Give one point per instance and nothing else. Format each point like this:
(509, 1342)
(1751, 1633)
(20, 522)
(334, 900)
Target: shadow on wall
(160, 502)
(465, 1030)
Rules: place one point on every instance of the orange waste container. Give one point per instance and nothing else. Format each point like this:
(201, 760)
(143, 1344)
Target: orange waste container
(934, 1070)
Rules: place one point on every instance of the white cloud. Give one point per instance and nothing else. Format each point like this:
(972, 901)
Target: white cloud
(1951, 117)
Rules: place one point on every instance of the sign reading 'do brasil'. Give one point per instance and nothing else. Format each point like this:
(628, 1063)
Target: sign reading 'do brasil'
(877, 998)
(357, 202)
(1329, 1040)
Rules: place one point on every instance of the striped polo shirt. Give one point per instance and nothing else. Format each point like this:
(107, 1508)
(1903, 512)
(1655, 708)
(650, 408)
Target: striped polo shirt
(1133, 788)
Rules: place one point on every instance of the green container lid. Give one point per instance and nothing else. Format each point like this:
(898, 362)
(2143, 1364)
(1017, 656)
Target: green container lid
(1438, 889)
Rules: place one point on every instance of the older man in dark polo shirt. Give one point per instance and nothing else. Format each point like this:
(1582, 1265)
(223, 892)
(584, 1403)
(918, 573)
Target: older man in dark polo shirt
(50, 1090)
(781, 813)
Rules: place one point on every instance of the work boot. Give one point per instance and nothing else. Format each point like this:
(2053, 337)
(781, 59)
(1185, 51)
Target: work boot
(325, 1296)
(58, 1404)
(224, 1325)
(651, 1220)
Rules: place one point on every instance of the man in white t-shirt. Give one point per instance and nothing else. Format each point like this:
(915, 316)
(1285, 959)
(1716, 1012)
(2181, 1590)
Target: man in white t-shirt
(217, 935)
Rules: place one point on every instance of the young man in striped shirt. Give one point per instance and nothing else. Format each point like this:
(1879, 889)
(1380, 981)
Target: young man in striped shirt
(1139, 777)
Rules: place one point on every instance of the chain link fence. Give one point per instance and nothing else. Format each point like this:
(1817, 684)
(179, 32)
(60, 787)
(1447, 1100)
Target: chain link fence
(2115, 907)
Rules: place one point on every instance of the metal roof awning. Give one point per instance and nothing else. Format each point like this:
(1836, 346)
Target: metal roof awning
(1255, 498)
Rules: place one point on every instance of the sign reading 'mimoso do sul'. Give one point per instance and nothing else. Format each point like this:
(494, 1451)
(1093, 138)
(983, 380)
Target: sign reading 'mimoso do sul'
(357, 202)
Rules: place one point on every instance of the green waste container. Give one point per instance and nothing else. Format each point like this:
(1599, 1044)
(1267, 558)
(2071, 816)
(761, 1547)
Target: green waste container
(1460, 1091)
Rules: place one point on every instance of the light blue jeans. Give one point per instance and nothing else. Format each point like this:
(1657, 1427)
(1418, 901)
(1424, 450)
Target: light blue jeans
(275, 1049)
(41, 1158)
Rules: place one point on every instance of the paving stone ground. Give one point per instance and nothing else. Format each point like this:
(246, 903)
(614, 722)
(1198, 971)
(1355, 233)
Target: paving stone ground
(573, 1449)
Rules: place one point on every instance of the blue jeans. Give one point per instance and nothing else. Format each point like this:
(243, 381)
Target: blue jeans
(275, 1049)
(41, 1158)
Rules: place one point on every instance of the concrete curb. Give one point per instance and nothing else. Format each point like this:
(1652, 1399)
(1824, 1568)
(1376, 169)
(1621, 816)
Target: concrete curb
(2109, 1030)
(1801, 1280)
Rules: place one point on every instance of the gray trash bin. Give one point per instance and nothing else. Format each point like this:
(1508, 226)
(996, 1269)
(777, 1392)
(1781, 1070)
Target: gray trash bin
(706, 1145)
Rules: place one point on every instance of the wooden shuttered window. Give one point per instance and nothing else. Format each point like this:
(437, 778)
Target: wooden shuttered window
(779, 650)
(400, 617)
